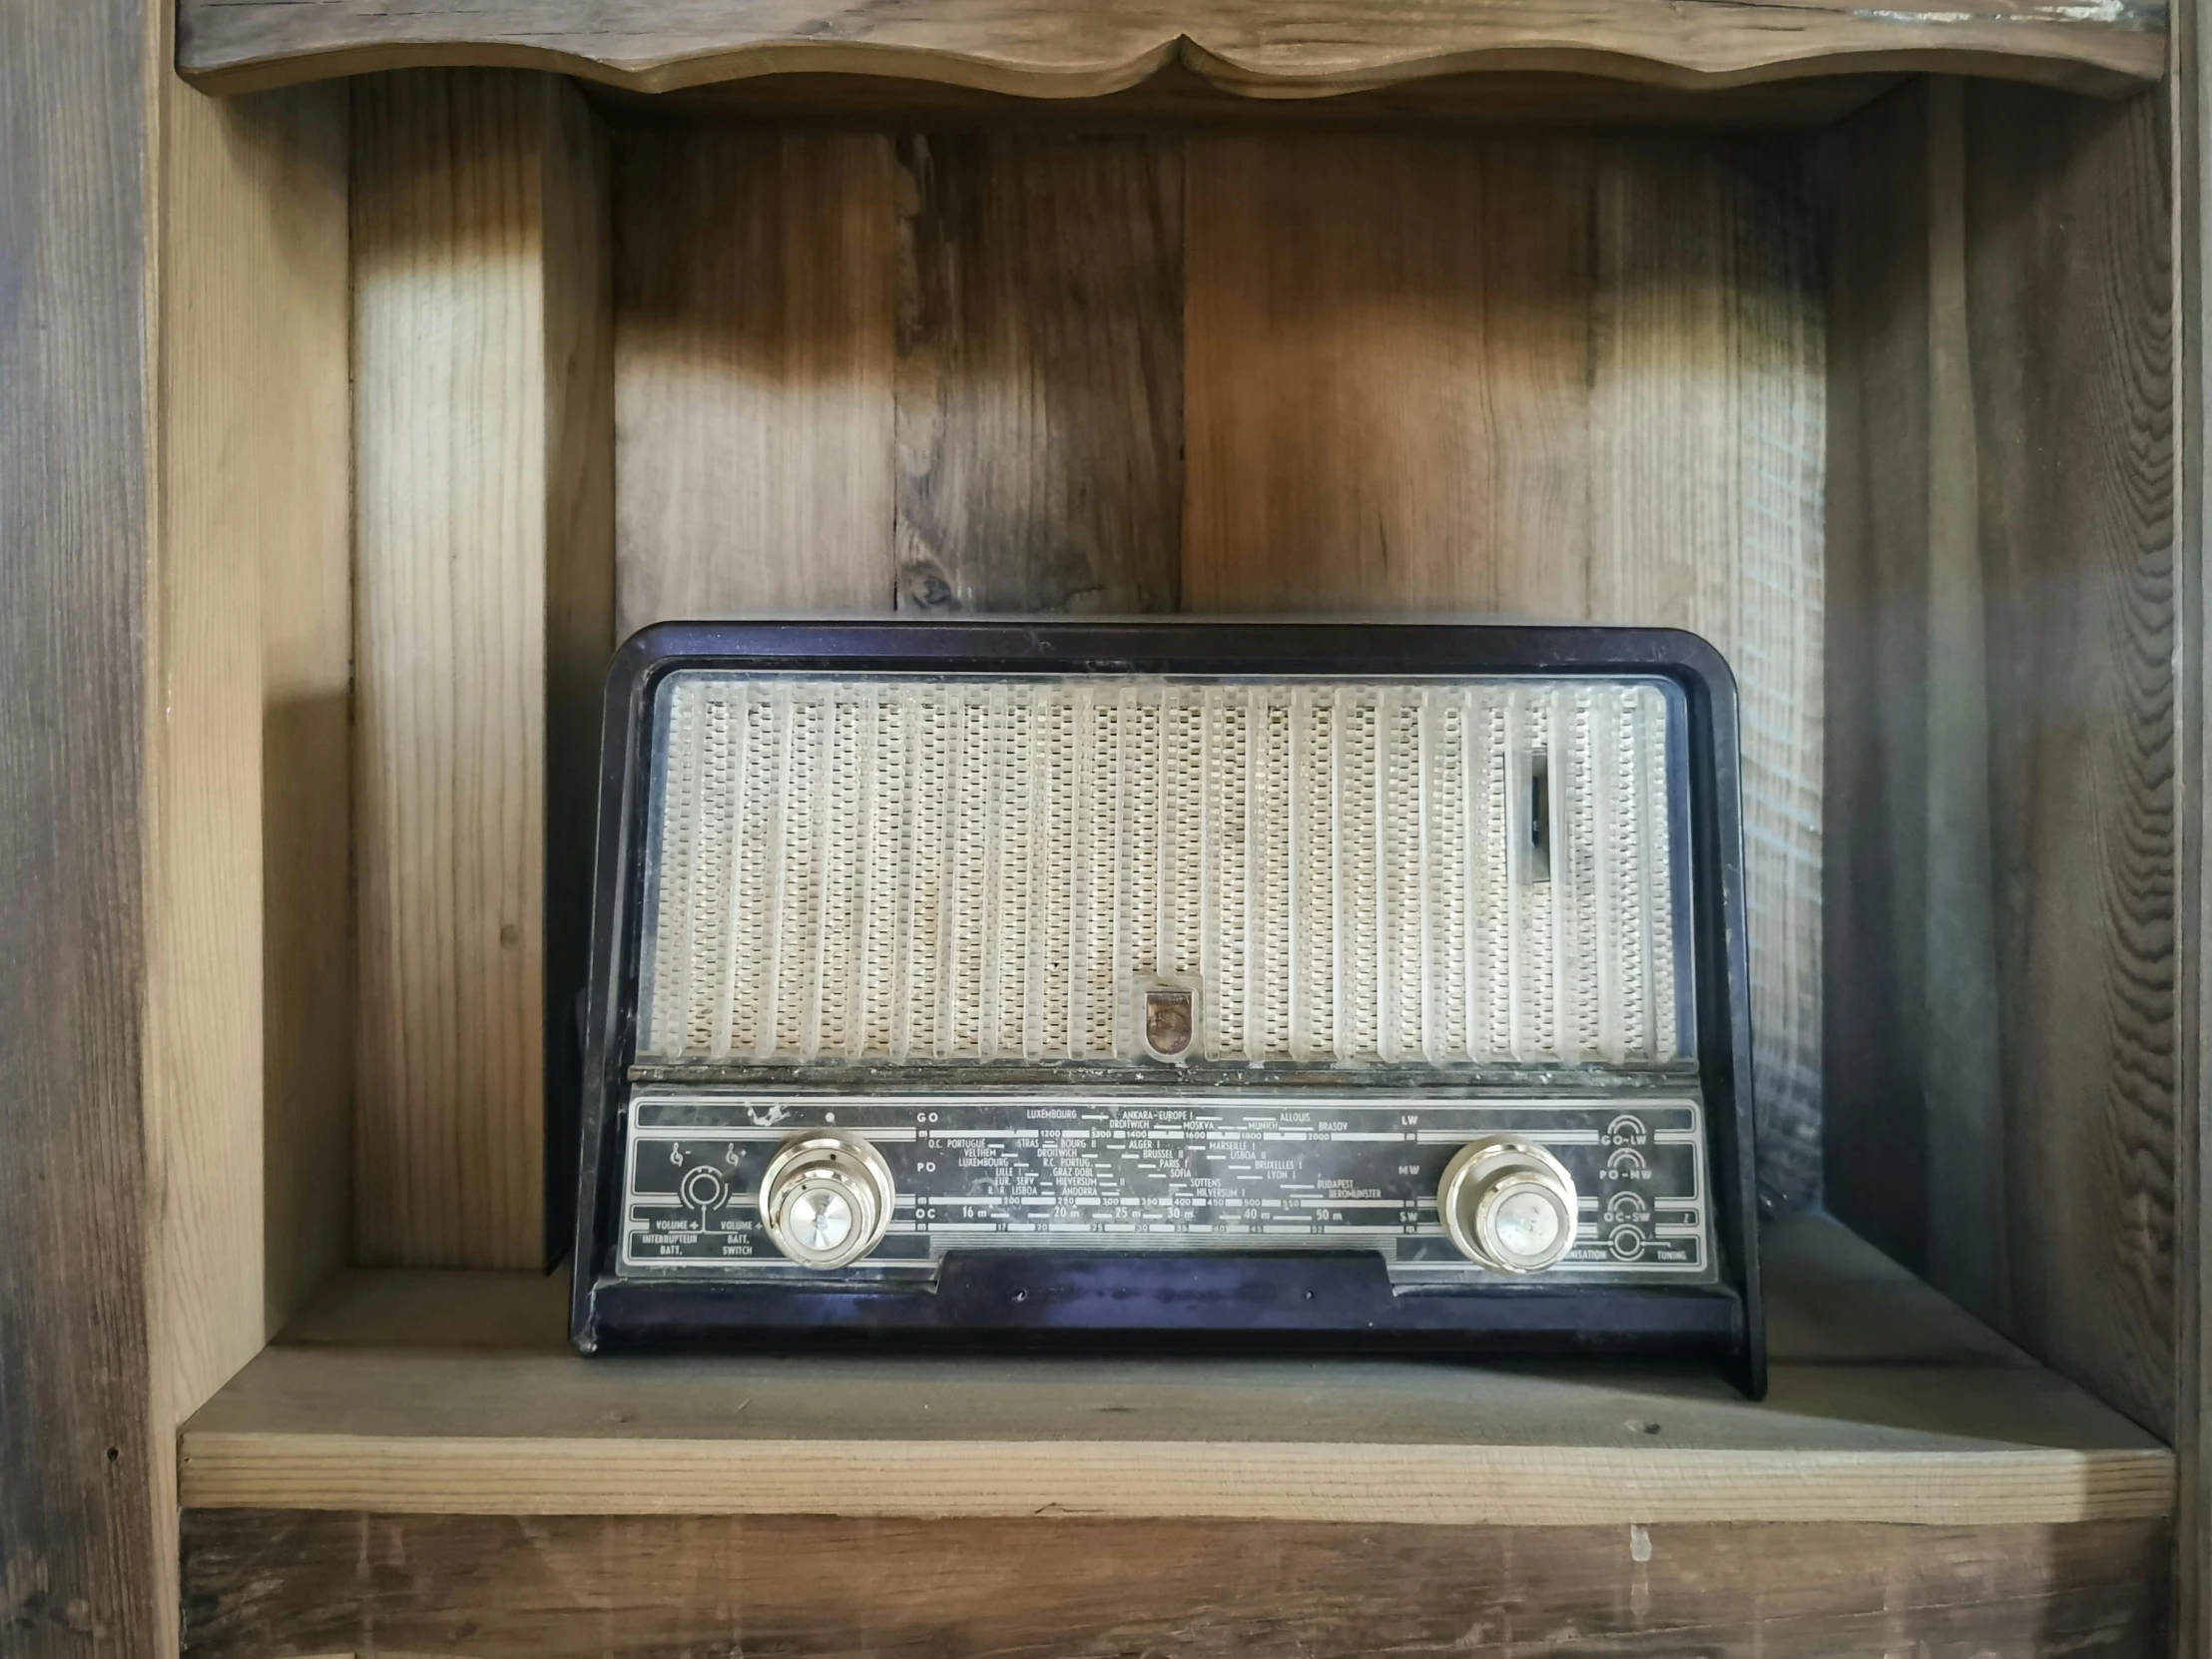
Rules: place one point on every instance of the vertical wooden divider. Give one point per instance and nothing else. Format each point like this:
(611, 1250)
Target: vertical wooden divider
(1571, 378)
(483, 564)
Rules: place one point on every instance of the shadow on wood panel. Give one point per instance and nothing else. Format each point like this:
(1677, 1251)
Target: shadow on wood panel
(2001, 840)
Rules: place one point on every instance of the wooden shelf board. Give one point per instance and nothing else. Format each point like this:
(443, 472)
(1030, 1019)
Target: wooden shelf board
(1256, 47)
(453, 1392)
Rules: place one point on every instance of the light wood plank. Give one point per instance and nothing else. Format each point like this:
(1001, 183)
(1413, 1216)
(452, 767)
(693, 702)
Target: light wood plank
(246, 951)
(1040, 374)
(754, 374)
(1567, 379)
(477, 414)
(246, 1089)
(2005, 850)
(1254, 45)
(428, 1391)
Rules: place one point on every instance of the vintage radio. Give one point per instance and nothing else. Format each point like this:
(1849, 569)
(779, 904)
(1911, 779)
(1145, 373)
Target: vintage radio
(1229, 982)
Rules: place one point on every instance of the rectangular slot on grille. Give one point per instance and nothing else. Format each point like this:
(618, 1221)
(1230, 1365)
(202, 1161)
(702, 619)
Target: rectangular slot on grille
(1538, 817)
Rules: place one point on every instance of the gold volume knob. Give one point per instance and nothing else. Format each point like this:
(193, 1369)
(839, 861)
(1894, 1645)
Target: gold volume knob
(1507, 1204)
(827, 1198)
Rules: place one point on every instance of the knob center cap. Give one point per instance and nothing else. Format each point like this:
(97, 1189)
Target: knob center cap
(821, 1218)
(1527, 1223)
(1508, 1204)
(827, 1198)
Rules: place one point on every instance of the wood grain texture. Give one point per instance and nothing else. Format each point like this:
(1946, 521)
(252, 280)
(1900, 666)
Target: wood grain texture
(425, 1392)
(1040, 374)
(247, 958)
(1564, 378)
(1028, 47)
(755, 429)
(2188, 111)
(81, 1452)
(260, 1582)
(480, 536)
(2001, 1058)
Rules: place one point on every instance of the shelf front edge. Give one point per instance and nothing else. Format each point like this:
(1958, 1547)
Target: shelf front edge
(1029, 49)
(1302, 1482)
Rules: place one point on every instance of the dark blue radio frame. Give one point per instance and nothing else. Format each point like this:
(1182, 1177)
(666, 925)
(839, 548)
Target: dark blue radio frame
(1306, 1300)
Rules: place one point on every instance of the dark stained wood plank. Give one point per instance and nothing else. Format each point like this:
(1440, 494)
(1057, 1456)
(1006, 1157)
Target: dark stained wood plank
(2003, 851)
(753, 423)
(2070, 296)
(264, 1582)
(80, 1532)
(1040, 374)
(1178, 99)
(1556, 378)
(1873, 887)
(1037, 46)
(2191, 113)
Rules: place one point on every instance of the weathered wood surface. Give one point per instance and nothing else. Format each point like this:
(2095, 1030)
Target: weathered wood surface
(2002, 1049)
(260, 1582)
(1040, 49)
(1040, 374)
(80, 1458)
(247, 963)
(1560, 379)
(484, 526)
(754, 425)
(419, 1392)
(2190, 88)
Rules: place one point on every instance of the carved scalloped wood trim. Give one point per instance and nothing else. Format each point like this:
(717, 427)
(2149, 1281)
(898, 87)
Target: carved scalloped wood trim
(1263, 48)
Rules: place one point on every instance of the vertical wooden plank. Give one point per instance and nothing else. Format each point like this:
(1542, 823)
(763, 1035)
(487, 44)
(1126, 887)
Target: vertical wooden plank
(473, 502)
(1040, 374)
(1338, 419)
(578, 266)
(81, 1531)
(2069, 322)
(2188, 113)
(2003, 843)
(1570, 379)
(300, 509)
(754, 373)
(248, 605)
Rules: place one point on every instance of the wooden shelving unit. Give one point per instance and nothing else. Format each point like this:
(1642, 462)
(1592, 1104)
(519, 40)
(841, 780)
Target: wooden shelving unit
(346, 425)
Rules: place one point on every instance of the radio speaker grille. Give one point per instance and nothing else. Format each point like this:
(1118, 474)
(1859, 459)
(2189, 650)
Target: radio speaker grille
(925, 870)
